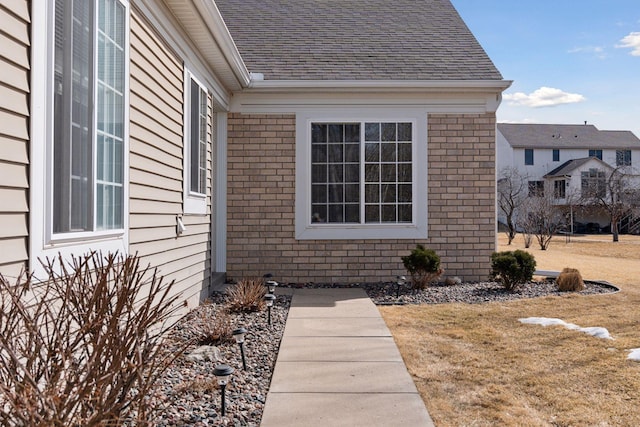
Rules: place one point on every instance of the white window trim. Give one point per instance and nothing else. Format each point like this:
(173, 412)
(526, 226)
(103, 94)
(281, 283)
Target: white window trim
(194, 203)
(306, 230)
(43, 243)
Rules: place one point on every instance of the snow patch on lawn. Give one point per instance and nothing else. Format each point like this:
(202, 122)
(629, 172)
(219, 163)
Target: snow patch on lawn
(634, 355)
(595, 331)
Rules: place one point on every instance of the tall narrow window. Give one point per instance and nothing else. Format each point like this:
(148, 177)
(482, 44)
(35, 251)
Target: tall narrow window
(89, 115)
(196, 144)
(528, 156)
(556, 155)
(198, 138)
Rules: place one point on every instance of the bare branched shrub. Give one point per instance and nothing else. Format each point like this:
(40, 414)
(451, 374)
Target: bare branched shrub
(215, 330)
(570, 279)
(82, 348)
(247, 295)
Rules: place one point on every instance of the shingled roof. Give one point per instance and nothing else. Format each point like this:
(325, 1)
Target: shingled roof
(355, 40)
(525, 135)
(569, 166)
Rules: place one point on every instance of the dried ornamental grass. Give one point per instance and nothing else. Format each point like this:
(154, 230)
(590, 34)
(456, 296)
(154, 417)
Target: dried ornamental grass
(247, 296)
(569, 280)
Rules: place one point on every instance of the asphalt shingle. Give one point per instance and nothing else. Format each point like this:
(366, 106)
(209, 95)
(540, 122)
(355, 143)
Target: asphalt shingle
(525, 135)
(355, 40)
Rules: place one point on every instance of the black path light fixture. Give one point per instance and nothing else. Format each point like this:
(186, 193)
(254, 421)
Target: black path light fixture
(270, 284)
(239, 334)
(269, 299)
(400, 281)
(222, 373)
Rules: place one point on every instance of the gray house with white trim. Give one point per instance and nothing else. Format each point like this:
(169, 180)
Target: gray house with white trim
(562, 159)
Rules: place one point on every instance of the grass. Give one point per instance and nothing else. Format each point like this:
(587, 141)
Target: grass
(477, 365)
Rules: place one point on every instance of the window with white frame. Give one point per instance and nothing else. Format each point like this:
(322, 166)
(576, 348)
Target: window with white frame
(196, 131)
(89, 126)
(340, 193)
(623, 157)
(560, 189)
(593, 183)
(595, 153)
(528, 156)
(363, 176)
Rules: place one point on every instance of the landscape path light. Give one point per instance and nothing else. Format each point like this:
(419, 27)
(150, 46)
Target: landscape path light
(400, 282)
(270, 284)
(239, 334)
(222, 373)
(269, 298)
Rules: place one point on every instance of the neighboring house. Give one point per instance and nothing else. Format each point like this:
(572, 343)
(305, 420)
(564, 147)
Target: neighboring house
(319, 141)
(568, 160)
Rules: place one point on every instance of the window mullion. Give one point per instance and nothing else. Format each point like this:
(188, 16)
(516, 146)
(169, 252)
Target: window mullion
(363, 199)
(93, 210)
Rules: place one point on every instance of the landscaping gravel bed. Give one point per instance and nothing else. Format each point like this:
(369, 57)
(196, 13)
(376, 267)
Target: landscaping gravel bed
(188, 393)
(472, 293)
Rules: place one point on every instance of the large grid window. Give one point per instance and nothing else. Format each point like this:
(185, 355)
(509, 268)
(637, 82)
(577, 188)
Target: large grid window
(623, 157)
(594, 183)
(536, 188)
(560, 189)
(89, 116)
(361, 173)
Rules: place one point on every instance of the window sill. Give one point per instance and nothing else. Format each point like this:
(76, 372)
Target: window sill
(368, 231)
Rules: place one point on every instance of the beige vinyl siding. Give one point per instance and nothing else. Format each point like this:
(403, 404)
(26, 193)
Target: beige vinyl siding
(14, 136)
(156, 168)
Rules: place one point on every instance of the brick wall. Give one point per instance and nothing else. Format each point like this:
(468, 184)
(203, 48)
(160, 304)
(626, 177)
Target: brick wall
(261, 196)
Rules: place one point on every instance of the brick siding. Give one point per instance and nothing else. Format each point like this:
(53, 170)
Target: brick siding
(261, 206)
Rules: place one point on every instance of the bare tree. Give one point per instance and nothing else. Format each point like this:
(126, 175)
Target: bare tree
(512, 192)
(614, 192)
(542, 218)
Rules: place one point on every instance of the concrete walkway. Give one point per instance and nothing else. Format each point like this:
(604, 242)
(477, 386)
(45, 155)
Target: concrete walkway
(339, 366)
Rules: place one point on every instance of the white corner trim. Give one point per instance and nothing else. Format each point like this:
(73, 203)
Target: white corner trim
(219, 229)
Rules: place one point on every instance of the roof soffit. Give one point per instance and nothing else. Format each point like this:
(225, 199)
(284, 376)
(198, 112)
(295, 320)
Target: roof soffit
(202, 24)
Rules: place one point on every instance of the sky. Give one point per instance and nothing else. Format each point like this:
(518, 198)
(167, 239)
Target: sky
(570, 61)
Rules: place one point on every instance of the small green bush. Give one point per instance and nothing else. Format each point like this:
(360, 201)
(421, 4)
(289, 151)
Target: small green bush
(423, 265)
(570, 279)
(512, 268)
(247, 296)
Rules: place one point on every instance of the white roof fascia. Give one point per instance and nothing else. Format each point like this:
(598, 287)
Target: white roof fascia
(216, 25)
(285, 96)
(381, 85)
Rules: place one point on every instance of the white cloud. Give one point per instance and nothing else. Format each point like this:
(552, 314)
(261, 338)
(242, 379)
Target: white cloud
(543, 97)
(597, 51)
(631, 41)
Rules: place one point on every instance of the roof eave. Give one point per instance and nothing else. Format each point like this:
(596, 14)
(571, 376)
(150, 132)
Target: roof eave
(259, 85)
